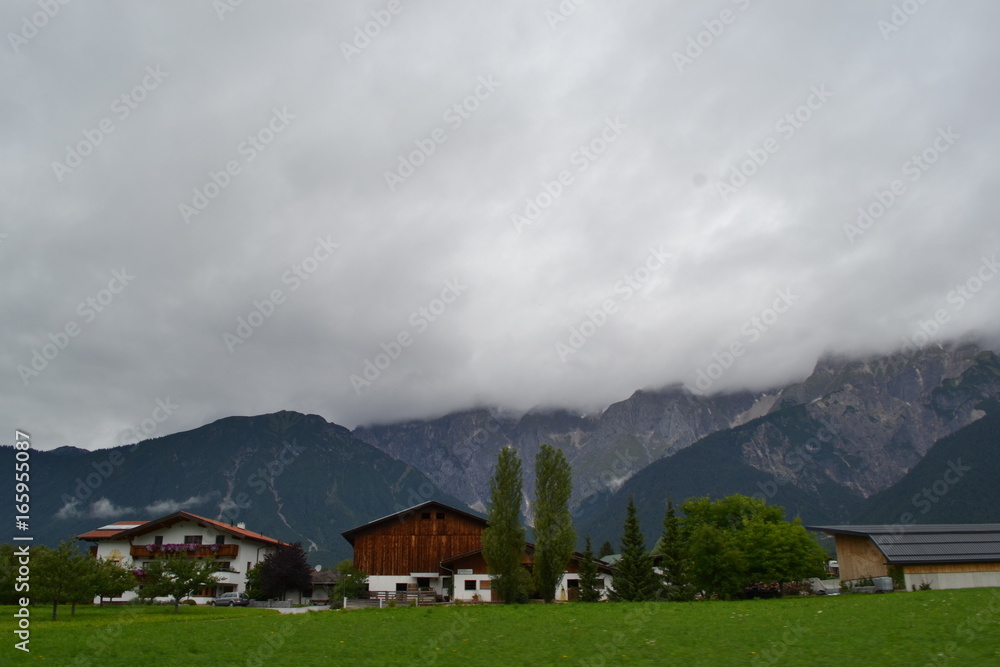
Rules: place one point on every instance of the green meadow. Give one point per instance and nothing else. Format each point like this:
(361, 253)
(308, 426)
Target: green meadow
(916, 628)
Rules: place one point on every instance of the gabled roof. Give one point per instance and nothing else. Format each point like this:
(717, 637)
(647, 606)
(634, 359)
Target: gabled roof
(132, 529)
(349, 535)
(109, 531)
(928, 544)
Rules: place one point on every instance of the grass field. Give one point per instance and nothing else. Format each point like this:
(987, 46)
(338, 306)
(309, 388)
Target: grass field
(927, 627)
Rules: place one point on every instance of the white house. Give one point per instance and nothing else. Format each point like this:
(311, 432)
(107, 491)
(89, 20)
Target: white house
(134, 545)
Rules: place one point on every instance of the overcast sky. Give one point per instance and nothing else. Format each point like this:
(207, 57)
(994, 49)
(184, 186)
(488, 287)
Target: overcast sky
(675, 181)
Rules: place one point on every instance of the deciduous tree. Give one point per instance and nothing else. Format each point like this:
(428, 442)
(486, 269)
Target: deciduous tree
(503, 540)
(179, 576)
(285, 569)
(554, 534)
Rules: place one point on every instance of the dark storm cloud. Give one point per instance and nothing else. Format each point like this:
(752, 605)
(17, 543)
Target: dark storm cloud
(460, 203)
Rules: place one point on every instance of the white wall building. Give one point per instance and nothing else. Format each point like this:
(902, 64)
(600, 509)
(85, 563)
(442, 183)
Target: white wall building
(135, 544)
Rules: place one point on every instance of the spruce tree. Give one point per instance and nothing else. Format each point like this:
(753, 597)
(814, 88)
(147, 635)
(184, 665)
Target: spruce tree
(503, 540)
(588, 576)
(673, 548)
(635, 580)
(607, 549)
(554, 534)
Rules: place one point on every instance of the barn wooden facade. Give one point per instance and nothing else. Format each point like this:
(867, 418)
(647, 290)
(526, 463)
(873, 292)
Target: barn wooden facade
(415, 540)
(940, 555)
(433, 547)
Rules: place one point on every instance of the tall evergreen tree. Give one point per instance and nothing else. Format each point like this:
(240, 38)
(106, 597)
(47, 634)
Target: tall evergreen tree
(554, 534)
(503, 540)
(588, 575)
(675, 565)
(634, 580)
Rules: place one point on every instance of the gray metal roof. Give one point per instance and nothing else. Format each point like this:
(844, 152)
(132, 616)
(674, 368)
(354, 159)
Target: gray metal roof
(933, 543)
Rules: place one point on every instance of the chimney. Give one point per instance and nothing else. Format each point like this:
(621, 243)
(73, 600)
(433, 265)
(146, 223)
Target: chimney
(241, 526)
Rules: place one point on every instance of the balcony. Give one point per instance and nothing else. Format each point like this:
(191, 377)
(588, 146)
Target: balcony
(199, 551)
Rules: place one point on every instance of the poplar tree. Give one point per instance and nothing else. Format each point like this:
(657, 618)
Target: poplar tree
(554, 534)
(503, 539)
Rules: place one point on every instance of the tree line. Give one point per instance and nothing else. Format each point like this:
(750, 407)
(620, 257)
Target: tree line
(727, 548)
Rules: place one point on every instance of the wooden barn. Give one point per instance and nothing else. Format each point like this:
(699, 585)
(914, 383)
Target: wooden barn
(403, 552)
(941, 555)
(416, 551)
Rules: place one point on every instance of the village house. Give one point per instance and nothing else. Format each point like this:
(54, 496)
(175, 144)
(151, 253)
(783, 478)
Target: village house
(417, 552)
(940, 555)
(134, 545)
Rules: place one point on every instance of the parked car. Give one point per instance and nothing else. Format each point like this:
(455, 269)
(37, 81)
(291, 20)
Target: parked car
(231, 600)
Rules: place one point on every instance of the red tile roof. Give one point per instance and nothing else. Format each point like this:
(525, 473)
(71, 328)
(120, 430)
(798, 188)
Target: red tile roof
(122, 529)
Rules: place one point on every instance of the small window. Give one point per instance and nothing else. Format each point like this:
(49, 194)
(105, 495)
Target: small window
(220, 539)
(470, 584)
(440, 515)
(401, 588)
(485, 584)
(158, 539)
(572, 583)
(425, 515)
(192, 539)
(423, 582)
(223, 566)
